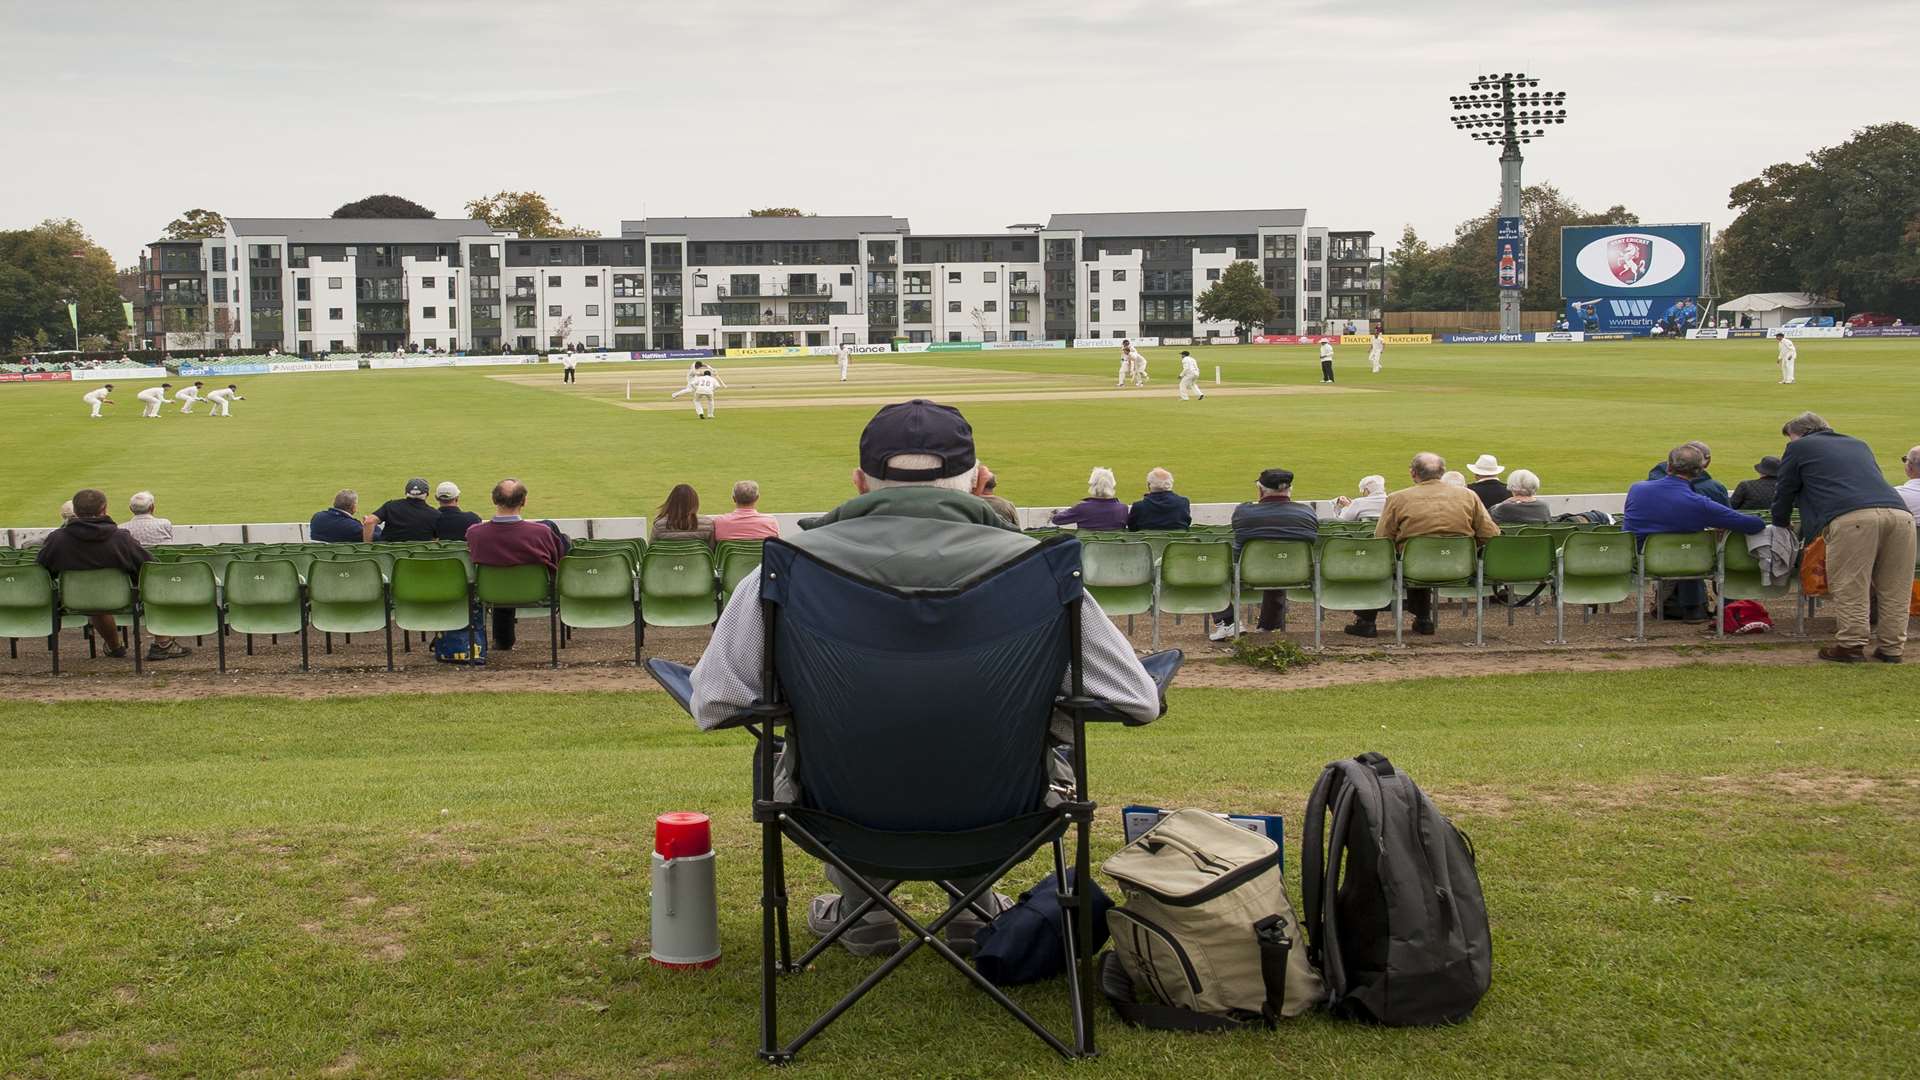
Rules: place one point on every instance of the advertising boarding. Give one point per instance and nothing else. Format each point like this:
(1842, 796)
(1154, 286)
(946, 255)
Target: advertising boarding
(1633, 261)
(1510, 243)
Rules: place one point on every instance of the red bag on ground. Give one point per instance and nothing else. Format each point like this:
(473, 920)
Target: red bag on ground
(1745, 617)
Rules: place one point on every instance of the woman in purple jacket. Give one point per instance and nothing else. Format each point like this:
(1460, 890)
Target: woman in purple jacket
(1100, 510)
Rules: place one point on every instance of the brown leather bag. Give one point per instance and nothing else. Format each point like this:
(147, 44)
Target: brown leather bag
(1813, 567)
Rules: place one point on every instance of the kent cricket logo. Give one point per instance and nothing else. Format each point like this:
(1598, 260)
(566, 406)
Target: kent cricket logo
(1630, 260)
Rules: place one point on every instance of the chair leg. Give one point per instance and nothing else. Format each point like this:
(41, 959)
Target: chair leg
(220, 641)
(137, 663)
(250, 644)
(329, 640)
(637, 637)
(770, 841)
(303, 646)
(389, 643)
(553, 634)
(1398, 588)
(53, 643)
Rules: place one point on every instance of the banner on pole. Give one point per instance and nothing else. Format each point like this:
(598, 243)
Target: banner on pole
(1510, 241)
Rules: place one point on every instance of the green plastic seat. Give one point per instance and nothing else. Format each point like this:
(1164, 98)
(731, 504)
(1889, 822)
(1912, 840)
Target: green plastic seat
(1596, 568)
(738, 558)
(104, 592)
(1447, 564)
(1519, 562)
(263, 596)
(518, 587)
(349, 596)
(1118, 574)
(183, 600)
(1690, 556)
(1196, 578)
(1354, 574)
(430, 594)
(1269, 565)
(1741, 579)
(596, 592)
(28, 608)
(677, 586)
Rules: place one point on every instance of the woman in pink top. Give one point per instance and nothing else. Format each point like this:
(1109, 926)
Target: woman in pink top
(745, 522)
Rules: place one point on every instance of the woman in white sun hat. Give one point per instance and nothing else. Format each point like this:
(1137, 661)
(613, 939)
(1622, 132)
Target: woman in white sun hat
(1486, 470)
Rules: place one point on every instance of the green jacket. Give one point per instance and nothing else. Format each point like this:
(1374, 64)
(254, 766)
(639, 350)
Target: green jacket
(913, 537)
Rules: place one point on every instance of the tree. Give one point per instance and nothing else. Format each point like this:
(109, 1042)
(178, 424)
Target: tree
(1845, 224)
(1460, 275)
(778, 211)
(195, 225)
(383, 206)
(524, 212)
(45, 268)
(1239, 298)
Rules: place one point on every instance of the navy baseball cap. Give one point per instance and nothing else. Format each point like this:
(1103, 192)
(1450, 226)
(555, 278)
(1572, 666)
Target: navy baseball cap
(917, 427)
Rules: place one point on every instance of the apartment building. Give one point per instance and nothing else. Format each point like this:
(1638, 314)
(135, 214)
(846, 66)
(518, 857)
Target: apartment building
(314, 285)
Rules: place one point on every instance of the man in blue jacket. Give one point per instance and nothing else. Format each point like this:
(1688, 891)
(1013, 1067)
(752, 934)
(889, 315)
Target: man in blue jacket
(1842, 495)
(1672, 504)
(339, 523)
(1161, 508)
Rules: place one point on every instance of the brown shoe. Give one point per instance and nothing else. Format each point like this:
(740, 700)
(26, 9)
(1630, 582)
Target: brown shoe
(1843, 654)
(1885, 657)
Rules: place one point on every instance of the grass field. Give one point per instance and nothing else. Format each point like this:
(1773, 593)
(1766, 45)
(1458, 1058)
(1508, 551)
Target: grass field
(1708, 872)
(1586, 417)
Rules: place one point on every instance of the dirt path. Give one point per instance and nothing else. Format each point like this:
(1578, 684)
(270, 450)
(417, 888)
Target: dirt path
(974, 396)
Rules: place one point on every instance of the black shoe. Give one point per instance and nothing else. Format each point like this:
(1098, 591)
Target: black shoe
(1423, 626)
(1361, 629)
(1885, 657)
(166, 652)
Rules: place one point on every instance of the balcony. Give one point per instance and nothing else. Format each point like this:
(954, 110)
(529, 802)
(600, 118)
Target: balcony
(881, 288)
(774, 319)
(1023, 288)
(668, 292)
(485, 294)
(523, 294)
(177, 296)
(775, 289)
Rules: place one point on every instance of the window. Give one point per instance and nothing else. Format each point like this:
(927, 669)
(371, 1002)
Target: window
(1019, 335)
(523, 287)
(336, 345)
(992, 336)
(382, 255)
(1017, 311)
(553, 254)
(629, 314)
(220, 259)
(1093, 311)
(556, 342)
(639, 341)
(953, 306)
(593, 310)
(486, 312)
(629, 285)
(700, 340)
(918, 336)
(846, 279)
(990, 277)
(553, 281)
(523, 316)
(1119, 305)
(1313, 279)
(1093, 281)
(917, 281)
(426, 283)
(219, 290)
(919, 311)
(526, 250)
(592, 281)
(593, 341)
(1119, 275)
(590, 255)
(430, 343)
(335, 283)
(1213, 273)
(451, 289)
(553, 311)
(953, 277)
(302, 289)
(990, 305)
(303, 319)
(1313, 249)
(264, 288)
(336, 314)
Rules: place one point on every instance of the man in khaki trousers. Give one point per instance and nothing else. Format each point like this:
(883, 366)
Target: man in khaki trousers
(1842, 495)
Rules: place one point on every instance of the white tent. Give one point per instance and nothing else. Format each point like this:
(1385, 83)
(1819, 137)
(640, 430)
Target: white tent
(1774, 308)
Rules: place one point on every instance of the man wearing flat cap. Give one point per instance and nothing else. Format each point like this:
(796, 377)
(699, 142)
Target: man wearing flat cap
(1275, 516)
(914, 525)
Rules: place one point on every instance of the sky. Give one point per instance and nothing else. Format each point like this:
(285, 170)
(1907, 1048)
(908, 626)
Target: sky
(958, 116)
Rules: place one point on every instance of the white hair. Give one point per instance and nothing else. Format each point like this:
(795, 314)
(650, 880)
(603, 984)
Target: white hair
(1159, 480)
(141, 503)
(1101, 484)
(67, 512)
(1523, 482)
(1454, 477)
(963, 482)
(1373, 485)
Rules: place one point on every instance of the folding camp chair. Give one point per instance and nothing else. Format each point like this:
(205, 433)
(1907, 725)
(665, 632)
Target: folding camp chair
(918, 720)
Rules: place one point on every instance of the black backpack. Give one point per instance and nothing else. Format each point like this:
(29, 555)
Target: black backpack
(1394, 916)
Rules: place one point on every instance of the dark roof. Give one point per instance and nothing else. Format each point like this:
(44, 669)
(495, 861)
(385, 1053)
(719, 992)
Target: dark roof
(362, 230)
(764, 228)
(1179, 222)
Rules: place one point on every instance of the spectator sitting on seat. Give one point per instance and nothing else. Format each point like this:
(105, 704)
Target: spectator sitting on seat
(1454, 478)
(1487, 469)
(1672, 504)
(1099, 511)
(1162, 508)
(1275, 516)
(91, 541)
(146, 528)
(745, 521)
(1431, 507)
(339, 523)
(1522, 506)
(1704, 484)
(985, 484)
(679, 518)
(916, 514)
(1909, 491)
(402, 520)
(1757, 494)
(1373, 496)
(1842, 495)
(66, 512)
(451, 523)
(508, 539)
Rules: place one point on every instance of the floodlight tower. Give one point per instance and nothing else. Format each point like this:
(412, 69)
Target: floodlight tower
(1506, 110)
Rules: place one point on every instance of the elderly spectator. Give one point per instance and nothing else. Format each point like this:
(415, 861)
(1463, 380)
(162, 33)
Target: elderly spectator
(745, 521)
(1671, 503)
(1455, 478)
(1274, 516)
(1100, 509)
(1910, 491)
(1522, 506)
(1487, 469)
(986, 486)
(1161, 508)
(1704, 484)
(1841, 494)
(452, 522)
(91, 541)
(1373, 496)
(146, 528)
(1431, 507)
(66, 512)
(339, 523)
(402, 520)
(1757, 494)
(679, 518)
(509, 539)
(916, 461)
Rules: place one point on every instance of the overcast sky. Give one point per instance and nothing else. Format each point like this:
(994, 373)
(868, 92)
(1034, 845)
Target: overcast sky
(960, 116)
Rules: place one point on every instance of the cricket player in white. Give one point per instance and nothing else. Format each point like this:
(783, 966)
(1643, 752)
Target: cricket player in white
(187, 396)
(222, 400)
(1131, 360)
(1379, 346)
(694, 371)
(703, 386)
(845, 355)
(1787, 356)
(1326, 360)
(568, 362)
(1190, 376)
(97, 398)
(154, 396)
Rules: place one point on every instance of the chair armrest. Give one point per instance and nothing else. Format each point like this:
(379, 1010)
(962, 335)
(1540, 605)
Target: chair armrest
(1095, 709)
(1162, 666)
(675, 679)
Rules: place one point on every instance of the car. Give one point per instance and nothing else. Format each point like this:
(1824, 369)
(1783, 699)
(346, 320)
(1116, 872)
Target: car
(1807, 321)
(1873, 318)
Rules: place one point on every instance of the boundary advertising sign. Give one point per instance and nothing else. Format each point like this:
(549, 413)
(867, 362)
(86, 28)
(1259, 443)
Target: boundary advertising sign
(1633, 260)
(1510, 249)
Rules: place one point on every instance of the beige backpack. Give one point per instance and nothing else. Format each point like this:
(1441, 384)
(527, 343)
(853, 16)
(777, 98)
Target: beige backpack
(1206, 931)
